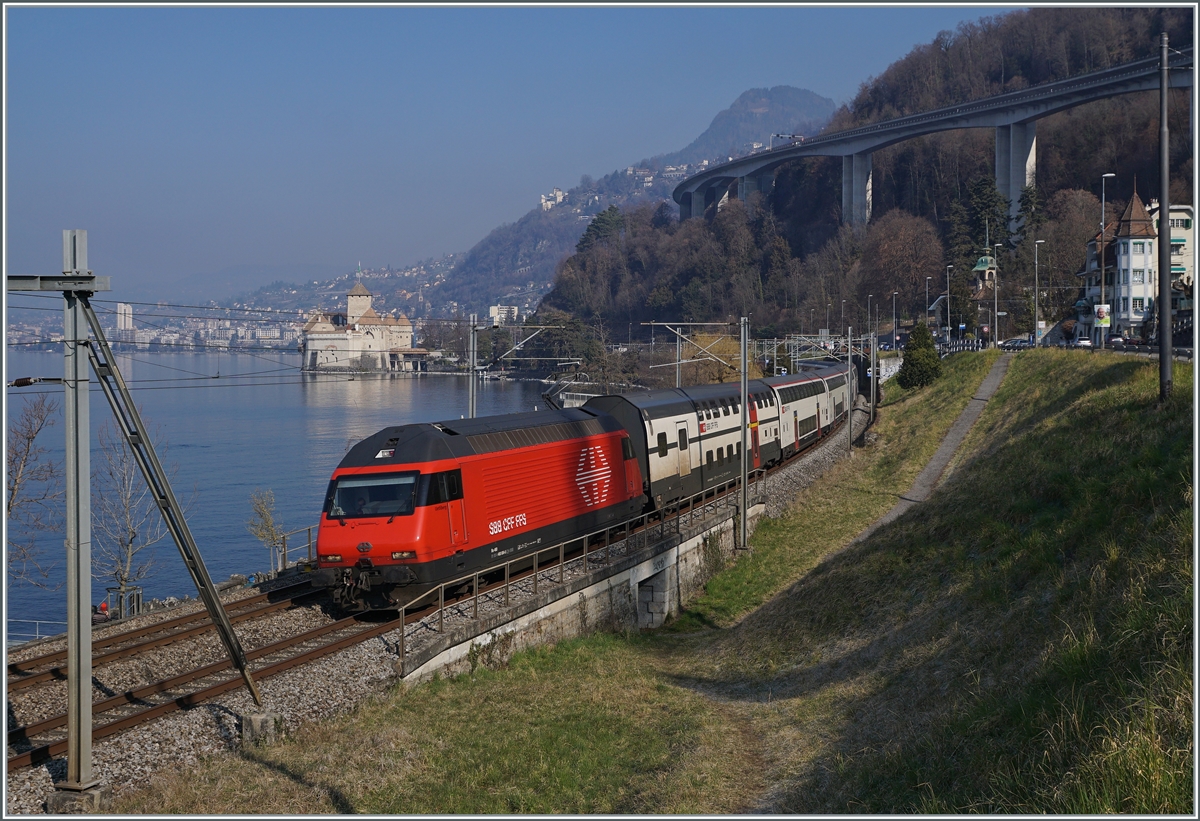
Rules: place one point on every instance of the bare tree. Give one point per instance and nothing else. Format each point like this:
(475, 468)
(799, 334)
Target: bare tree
(262, 524)
(33, 483)
(126, 521)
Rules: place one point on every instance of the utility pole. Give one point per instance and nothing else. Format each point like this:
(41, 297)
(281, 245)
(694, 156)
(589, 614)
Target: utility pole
(1037, 328)
(874, 330)
(948, 267)
(1103, 256)
(1166, 341)
(703, 352)
(471, 354)
(745, 462)
(678, 360)
(996, 300)
(849, 393)
(874, 380)
(895, 328)
(79, 516)
(77, 284)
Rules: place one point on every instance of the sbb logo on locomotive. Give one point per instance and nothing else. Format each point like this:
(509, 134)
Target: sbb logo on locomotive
(507, 523)
(593, 475)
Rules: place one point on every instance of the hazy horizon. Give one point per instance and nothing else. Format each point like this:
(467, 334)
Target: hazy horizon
(211, 150)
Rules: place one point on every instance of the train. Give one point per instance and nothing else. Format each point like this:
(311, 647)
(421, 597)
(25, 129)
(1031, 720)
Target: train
(415, 506)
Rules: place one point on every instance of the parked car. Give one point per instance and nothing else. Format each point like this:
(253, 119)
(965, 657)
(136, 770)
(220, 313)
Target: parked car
(1083, 342)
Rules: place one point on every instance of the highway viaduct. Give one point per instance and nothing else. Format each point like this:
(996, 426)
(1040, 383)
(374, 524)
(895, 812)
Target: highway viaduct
(1014, 116)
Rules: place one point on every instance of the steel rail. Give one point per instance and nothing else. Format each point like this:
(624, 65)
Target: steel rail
(244, 614)
(17, 667)
(45, 752)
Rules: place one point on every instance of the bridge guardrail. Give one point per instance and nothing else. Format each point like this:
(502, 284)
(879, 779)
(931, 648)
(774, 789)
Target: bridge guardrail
(703, 501)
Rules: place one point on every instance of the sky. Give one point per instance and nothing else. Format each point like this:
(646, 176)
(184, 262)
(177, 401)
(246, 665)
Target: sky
(211, 150)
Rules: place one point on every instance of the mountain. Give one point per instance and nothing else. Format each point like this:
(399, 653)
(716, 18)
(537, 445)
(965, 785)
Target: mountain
(754, 117)
(517, 261)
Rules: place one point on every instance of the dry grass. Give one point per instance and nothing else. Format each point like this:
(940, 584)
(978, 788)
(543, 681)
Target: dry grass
(583, 728)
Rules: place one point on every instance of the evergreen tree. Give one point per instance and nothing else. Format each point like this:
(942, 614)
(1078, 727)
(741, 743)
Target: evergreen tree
(1032, 215)
(921, 362)
(989, 213)
(608, 223)
(962, 252)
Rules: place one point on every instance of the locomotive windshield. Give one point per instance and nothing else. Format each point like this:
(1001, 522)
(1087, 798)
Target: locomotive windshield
(380, 494)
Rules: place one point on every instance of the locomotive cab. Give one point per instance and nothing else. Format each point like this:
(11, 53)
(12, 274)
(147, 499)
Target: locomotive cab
(416, 506)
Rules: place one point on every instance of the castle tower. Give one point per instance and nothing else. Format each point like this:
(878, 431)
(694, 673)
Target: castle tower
(358, 302)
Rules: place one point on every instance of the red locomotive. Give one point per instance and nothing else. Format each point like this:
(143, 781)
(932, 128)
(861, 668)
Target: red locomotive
(415, 505)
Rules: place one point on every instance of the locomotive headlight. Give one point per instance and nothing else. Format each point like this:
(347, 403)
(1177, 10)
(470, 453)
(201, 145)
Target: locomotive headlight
(404, 554)
(332, 557)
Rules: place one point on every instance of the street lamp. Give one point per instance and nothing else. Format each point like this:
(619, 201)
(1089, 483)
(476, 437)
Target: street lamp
(895, 330)
(1102, 257)
(996, 299)
(1037, 337)
(810, 319)
(874, 330)
(948, 267)
(843, 321)
(828, 308)
(927, 299)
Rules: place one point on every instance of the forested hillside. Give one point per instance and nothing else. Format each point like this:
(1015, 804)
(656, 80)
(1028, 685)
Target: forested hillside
(787, 261)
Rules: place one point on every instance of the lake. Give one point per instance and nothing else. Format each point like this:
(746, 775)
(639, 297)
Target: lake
(237, 422)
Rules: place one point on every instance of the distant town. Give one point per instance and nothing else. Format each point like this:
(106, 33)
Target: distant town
(351, 335)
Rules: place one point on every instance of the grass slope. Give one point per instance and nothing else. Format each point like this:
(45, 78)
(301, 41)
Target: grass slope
(1021, 642)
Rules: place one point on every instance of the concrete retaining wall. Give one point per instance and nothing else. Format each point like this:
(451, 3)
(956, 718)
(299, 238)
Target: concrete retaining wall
(635, 592)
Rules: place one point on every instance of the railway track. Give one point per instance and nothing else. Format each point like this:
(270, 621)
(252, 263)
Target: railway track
(41, 669)
(42, 740)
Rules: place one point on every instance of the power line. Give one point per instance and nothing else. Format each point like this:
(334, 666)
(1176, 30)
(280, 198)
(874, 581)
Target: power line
(183, 345)
(303, 311)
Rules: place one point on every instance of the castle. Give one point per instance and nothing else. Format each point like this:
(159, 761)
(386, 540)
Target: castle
(360, 339)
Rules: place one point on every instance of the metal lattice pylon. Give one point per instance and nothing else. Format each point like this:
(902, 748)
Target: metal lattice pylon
(140, 444)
